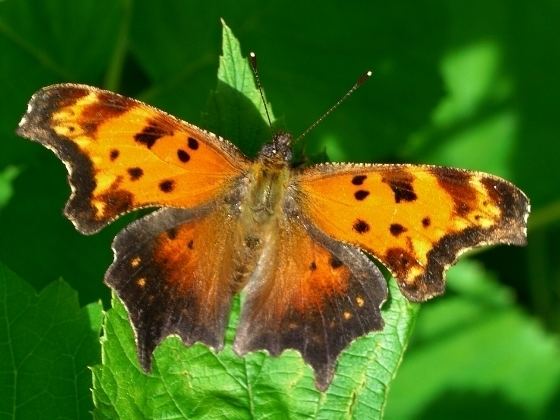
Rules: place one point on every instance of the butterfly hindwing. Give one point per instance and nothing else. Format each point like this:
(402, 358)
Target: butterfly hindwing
(313, 294)
(415, 219)
(122, 154)
(173, 270)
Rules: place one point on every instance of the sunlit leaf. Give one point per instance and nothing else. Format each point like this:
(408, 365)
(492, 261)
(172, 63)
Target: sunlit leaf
(486, 357)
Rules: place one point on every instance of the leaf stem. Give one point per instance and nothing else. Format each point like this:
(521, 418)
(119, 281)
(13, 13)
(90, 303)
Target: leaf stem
(115, 68)
(187, 72)
(44, 59)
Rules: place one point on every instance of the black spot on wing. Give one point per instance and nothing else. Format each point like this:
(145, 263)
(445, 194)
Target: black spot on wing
(183, 155)
(172, 233)
(192, 143)
(360, 226)
(403, 191)
(361, 194)
(396, 229)
(359, 179)
(135, 173)
(167, 186)
(335, 262)
(116, 202)
(400, 182)
(400, 261)
(152, 132)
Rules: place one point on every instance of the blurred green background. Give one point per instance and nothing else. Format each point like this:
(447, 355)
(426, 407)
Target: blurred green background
(469, 84)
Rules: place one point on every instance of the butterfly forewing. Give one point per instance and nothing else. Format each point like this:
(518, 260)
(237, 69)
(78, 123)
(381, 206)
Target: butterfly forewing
(123, 154)
(415, 219)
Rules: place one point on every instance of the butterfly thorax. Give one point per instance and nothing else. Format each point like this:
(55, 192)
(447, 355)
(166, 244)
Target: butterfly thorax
(262, 204)
(277, 153)
(267, 182)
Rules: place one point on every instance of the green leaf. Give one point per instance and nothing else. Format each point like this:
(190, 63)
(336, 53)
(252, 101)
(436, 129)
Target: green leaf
(486, 357)
(235, 109)
(196, 382)
(47, 343)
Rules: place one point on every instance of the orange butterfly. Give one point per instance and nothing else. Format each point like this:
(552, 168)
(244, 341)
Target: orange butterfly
(292, 238)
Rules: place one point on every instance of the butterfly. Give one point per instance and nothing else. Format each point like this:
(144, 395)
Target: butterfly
(295, 240)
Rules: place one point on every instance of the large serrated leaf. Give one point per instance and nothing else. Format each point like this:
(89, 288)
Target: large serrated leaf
(47, 343)
(196, 382)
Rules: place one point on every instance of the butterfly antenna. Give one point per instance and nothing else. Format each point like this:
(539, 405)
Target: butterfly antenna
(253, 62)
(361, 80)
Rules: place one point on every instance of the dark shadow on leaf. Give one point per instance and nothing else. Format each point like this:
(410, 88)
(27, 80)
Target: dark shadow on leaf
(54, 341)
(553, 407)
(41, 245)
(235, 117)
(467, 405)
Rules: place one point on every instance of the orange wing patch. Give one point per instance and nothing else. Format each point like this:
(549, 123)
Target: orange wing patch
(415, 219)
(314, 294)
(122, 154)
(166, 273)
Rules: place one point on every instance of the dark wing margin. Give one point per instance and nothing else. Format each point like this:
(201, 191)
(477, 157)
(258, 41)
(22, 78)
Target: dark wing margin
(510, 229)
(37, 125)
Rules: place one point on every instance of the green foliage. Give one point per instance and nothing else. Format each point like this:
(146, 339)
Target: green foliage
(47, 343)
(469, 84)
(491, 358)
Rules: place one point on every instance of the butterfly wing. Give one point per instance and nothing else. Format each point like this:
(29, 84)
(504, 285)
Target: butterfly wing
(415, 219)
(174, 269)
(122, 154)
(310, 293)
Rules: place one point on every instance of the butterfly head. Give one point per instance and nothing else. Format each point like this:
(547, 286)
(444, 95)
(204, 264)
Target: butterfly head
(278, 152)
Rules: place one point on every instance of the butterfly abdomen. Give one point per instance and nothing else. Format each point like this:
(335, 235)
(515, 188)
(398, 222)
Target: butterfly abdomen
(260, 206)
